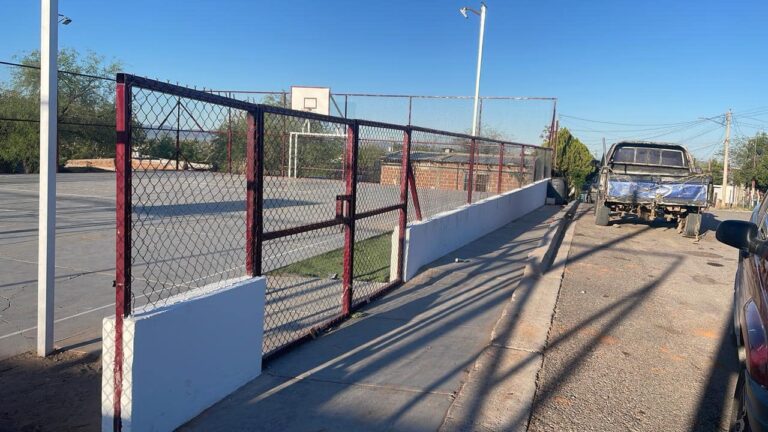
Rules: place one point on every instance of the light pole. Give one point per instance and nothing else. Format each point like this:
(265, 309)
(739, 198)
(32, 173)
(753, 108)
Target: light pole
(481, 14)
(46, 229)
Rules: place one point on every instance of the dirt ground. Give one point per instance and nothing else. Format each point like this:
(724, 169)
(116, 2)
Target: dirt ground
(641, 339)
(58, 393)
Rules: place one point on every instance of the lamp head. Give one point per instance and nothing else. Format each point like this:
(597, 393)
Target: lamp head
(463, 12)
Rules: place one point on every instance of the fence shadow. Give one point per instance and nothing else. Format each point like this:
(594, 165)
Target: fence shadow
(450, 304)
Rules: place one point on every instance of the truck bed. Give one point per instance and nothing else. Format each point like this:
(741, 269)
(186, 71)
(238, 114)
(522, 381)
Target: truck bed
(641, 189)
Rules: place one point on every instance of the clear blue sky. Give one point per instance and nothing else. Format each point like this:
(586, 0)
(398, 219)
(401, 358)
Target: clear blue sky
(624, 61)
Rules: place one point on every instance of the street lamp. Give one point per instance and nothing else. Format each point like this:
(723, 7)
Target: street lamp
(65, 19)
(481, 14)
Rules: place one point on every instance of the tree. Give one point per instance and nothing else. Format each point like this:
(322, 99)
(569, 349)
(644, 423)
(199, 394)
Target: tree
(574, 160)
(749, 159)
(86, 110)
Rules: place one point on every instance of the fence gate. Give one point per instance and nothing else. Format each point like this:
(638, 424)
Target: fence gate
(308, 244)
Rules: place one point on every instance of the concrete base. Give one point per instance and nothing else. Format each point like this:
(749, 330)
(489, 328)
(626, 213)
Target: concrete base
(430, 239)
(182, 358)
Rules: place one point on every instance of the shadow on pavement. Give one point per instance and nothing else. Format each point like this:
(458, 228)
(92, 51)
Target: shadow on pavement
(400, 360)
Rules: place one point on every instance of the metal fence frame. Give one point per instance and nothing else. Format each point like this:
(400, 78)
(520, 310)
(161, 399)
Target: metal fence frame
(346, 212)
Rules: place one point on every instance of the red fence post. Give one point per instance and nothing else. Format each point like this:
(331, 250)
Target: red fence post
(229, 139)
(350, 178)
(178, 132)
(122, 233)
(522, 165)
(470, 179)
(254, 173)
(403, 221)
(414, 191)
(501, 165)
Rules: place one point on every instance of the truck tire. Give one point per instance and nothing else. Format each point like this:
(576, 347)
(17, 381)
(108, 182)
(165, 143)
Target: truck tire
(602, 214)
(692, 225)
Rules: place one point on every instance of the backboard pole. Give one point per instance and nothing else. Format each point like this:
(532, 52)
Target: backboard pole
(46, 251)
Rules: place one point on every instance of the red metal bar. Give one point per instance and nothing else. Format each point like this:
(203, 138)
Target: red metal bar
(122, 234)
(378, 211)
(403, 219)
(229, 140)
(302, 229)
(414, 192)
(471, 170)
(350, 178)
(253, 194)
(178, 131)
(501, 166)
(522, 166)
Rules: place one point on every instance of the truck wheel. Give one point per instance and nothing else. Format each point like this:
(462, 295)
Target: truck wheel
(692, 225)
(602, 214)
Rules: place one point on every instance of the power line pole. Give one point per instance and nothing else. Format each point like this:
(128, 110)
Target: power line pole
(725, 155)
(46, 250)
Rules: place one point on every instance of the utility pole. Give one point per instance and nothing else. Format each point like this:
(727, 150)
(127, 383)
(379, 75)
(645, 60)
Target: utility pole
(725, 156)
(46, 255)
(603, 146)
(481, 14)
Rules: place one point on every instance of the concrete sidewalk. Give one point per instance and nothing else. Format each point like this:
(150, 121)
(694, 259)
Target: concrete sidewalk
(401, 362)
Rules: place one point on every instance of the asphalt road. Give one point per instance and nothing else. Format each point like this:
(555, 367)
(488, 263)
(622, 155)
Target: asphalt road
(189, 232)
(641, 339)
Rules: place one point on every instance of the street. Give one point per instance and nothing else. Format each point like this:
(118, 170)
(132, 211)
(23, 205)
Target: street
(641, 339)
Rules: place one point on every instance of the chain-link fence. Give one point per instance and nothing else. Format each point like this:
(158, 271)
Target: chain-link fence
(214, 189)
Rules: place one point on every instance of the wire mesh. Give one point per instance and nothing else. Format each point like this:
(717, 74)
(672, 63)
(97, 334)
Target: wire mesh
(304, 171)
(188, 190)
(304, 284)
(379, 183)
(440, 168)
(379, 159)
(485, 173)
(372, 267)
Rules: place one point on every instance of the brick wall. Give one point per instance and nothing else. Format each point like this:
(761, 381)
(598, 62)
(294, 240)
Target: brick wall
(448, 176)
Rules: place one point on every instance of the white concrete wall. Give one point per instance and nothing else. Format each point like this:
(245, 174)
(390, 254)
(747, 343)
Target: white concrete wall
(184, 357)
(430, 239)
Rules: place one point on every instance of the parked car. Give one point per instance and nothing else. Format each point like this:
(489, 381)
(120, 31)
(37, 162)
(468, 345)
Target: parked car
(652, 180)
(750, 317)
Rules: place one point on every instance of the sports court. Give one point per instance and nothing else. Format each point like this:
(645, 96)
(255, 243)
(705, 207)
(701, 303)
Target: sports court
(85, 244)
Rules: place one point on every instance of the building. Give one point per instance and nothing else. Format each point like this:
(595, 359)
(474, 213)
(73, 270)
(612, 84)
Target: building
(450, 171)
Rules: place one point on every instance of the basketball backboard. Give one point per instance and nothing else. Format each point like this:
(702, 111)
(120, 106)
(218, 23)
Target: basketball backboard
(312, 99)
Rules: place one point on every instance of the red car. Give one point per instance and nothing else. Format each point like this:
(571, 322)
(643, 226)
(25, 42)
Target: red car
(750, 317)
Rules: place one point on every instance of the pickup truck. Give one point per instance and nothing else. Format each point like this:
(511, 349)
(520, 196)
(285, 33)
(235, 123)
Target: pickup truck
(652, 180)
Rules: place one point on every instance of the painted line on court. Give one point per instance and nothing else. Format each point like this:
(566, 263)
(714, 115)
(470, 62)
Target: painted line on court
(57, 321)
(35, 193)
(110, 274)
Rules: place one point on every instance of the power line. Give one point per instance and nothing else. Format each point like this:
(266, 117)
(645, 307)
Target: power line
(691, 138)
(625, 124)
(673, 131)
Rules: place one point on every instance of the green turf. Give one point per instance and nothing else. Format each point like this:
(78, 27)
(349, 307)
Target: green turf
(372, 258)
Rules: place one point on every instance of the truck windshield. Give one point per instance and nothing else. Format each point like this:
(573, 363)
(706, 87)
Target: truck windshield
(649, 156)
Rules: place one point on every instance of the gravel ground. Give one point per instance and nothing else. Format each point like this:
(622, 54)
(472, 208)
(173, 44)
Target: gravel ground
(641, 338)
